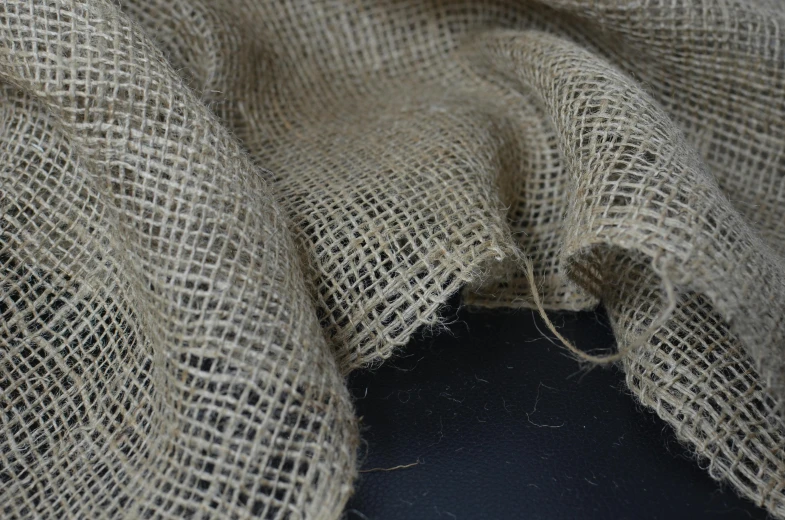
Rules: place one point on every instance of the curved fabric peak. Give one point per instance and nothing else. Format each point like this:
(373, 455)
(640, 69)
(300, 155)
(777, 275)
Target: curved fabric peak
(159, 336)
(160, 356)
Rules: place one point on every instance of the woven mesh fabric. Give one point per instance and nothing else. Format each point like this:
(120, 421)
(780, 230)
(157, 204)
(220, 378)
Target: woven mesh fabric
(211, 211)
(161, 356)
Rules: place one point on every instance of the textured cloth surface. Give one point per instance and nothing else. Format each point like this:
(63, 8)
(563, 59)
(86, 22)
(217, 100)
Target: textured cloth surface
(211, 211)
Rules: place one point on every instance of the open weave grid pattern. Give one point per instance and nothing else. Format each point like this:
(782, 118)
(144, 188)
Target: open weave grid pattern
(212, 210)
(161, 357)
(694, 374)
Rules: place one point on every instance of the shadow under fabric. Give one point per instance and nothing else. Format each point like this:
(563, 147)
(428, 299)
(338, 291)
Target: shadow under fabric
(211, 212)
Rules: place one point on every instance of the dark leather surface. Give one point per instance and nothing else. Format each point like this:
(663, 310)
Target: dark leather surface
(504, 425)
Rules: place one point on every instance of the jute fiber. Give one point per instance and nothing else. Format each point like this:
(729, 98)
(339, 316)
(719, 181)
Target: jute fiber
(212, 210)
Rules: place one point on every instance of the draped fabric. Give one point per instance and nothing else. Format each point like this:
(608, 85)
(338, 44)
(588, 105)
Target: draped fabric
(211, 211)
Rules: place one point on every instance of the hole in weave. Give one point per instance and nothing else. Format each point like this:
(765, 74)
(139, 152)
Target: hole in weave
(649, 157)
(592, 110)
(259, 506)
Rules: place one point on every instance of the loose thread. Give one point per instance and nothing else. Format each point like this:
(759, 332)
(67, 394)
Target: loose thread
(402, 466)
(610, 358)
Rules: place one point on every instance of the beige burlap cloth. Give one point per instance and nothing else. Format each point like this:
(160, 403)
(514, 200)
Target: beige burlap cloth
(211, 211)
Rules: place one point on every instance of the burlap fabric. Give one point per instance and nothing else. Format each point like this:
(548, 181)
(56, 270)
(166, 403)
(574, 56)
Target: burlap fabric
(210, 211)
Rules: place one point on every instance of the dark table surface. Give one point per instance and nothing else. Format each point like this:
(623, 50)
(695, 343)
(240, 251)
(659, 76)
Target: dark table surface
(497, 422)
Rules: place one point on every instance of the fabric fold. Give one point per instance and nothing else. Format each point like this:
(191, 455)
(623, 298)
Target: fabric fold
(161, 356)
(212, 211)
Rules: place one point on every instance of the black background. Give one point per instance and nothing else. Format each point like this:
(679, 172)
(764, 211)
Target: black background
(503, 424)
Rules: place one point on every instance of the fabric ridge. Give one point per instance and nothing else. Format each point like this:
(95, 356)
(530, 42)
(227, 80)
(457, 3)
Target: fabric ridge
(212, 211)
